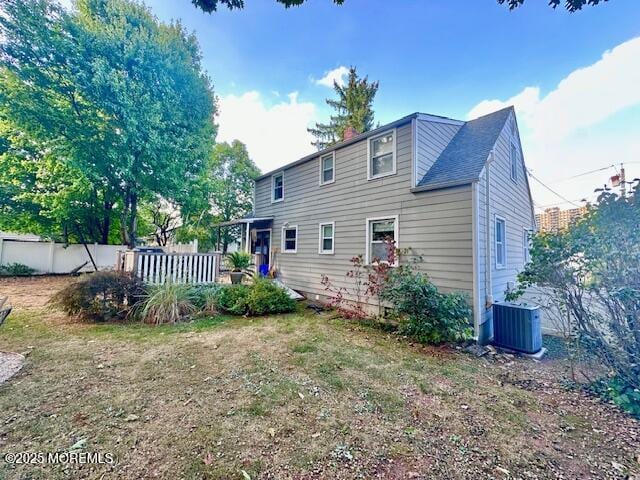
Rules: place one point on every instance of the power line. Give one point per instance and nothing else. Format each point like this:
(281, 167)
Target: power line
(556, 204)
(585, 173)
(551, 190)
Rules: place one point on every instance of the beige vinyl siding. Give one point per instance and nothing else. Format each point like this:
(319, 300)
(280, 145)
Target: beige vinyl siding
(437, 225)
(511, 201)
(431, 139)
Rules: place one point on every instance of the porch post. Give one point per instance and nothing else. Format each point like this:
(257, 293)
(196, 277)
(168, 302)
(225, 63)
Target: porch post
(247, 244)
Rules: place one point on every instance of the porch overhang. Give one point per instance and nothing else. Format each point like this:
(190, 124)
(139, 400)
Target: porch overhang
(247, 220)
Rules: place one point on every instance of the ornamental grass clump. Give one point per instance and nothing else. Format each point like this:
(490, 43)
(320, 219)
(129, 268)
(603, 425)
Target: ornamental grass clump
(168, 303)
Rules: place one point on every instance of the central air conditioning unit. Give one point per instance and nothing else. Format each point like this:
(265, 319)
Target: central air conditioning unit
(517, 327)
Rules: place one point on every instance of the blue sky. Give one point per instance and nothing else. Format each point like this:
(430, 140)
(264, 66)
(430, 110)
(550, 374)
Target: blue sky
(578, 106)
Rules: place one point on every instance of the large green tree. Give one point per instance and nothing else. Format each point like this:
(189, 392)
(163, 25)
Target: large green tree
(210, 6)
(353, 108)
(225, 193)
(109, 91)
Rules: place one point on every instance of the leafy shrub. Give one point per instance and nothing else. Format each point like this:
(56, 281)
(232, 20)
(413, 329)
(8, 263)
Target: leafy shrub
(620, 393)
(260, 298)
(16, 270)
(233, 299)
(205, 297)
(424, 312)
(100, 296)
(168, 303)
(267, 297)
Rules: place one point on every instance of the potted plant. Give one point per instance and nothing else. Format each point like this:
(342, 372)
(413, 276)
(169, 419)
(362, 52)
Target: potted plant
(239, 263)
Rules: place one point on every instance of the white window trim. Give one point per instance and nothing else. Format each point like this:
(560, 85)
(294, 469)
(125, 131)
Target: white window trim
(282, 240)
(394, 152)
(333, 157)
(495, 242)
(396, 232)
(273, 181)
(321, 238)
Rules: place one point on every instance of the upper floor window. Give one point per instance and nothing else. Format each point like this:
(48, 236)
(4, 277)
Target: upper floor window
(290, 239)
(501, 243)
(381, 233)
(514, 161)
(328, 168)
(382, 155)
(327, 233)
(277, 187)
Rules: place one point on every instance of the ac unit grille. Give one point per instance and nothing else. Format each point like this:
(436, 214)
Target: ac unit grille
(517, 327)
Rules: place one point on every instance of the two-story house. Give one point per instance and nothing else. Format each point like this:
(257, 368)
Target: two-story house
(455, 192)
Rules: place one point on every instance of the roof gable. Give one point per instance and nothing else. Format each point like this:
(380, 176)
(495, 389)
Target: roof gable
(464, 157)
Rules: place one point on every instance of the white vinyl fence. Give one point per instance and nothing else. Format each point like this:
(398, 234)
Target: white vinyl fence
(50, 257)
(159, 268)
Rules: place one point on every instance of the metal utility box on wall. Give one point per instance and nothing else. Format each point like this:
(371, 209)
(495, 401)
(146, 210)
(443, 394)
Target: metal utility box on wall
(517, 327)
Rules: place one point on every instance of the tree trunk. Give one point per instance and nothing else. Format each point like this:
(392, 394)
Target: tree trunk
(132, 225)
(106, 223)
(124, 234)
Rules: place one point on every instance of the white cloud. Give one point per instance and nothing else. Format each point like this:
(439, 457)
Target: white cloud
(336, 75)
(569, 130)
(274, 135)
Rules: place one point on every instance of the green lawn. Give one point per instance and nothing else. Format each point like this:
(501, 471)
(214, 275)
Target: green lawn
(295, 396)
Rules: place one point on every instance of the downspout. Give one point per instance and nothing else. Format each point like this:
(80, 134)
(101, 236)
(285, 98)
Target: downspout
(487, 250)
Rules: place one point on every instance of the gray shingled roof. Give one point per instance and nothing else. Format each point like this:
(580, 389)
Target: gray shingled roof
(463, 159)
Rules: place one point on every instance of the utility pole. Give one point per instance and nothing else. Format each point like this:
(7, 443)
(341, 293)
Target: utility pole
(623, 181)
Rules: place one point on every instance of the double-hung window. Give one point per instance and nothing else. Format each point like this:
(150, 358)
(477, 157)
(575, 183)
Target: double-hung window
(327, 235)
(277, 187)
(382, 235)
(501, 243)
(382, 155)
(290, 239)
(514, 161)
(328, 168)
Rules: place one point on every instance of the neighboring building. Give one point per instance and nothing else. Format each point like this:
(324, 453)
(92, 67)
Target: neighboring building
(554, 219)
(456, 193)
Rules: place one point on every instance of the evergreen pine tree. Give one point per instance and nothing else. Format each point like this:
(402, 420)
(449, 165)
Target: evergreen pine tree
(353, 107)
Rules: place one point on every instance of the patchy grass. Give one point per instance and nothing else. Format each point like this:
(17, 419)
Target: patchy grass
(292, 396)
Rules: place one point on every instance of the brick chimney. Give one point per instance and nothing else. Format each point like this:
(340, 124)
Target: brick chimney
(349, 133)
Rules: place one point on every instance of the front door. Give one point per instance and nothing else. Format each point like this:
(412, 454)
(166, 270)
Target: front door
(261, 250)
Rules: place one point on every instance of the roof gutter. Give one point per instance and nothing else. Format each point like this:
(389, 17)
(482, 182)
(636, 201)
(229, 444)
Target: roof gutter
(438, 186)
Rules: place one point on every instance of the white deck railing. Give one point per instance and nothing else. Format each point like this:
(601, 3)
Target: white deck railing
(159, 268)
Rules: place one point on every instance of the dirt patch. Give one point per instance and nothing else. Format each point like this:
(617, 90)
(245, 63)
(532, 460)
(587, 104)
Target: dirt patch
(32, 292)
(10, 364)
